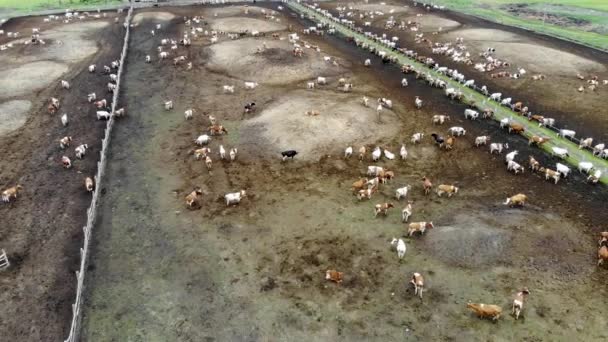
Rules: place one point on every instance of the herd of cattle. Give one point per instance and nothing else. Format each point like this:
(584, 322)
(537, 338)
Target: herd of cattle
(363, 188)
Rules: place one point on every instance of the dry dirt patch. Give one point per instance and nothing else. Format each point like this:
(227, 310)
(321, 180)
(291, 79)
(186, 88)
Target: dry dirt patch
(24, 79)
(342, 121)
(162, 16)
(275, 65)
(237, 24)
(13, 115)
(236, 10)
(386, 9)
(490, 35)
(432, 22)
(527, 55)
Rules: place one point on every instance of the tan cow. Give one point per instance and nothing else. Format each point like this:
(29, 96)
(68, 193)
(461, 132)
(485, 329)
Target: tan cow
(11, 193)
(486, 310)
(192, 200)
(335, 276)
(446, 189)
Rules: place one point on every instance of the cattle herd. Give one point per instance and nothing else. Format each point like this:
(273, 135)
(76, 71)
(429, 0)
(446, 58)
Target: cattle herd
(375, 176)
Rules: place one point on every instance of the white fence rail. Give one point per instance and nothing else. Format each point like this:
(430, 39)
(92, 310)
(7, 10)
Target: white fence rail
(4, 263)
(92, 211)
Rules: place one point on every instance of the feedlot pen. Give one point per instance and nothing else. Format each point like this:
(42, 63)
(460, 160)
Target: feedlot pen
(256, 271)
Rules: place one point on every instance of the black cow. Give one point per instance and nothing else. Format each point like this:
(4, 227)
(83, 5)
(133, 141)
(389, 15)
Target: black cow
(438, 139)
(250, 107)
(288, 154)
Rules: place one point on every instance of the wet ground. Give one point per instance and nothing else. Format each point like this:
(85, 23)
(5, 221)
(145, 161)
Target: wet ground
(255, 271)
(42, 231)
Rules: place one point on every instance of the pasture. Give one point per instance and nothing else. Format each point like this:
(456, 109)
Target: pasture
(160, 270)
(580, 21)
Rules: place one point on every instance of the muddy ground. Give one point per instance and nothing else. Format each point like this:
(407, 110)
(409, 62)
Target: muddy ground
(559, 61)
(42, 230)
(161, 272)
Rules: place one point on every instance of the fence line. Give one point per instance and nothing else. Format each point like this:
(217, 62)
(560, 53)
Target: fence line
(576, 155)
(92, 210)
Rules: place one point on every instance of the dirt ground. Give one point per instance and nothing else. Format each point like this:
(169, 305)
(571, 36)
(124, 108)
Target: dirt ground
(560, 62)
(42, 230)
(161, 272)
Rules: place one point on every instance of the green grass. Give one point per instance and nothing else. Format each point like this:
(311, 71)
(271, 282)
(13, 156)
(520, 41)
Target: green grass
(37, 5)
(480, 100)
(593, 11)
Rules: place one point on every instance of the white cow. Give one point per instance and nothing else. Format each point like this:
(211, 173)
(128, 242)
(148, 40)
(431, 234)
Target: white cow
(496, 96)
(92, 68)
(402, 192)
(235, 197)
(515, 167)
(202, 140)
(566, 133)
(64, 120)
(457, 131)
(471, 114)
(400, 247)
(417, 137)
(229, 89)
(251, 85)
(81, 150)
(102, 114)
(321, 80)
(560, 152)
(511, 156)
(585, 167)
(168, 105)
(374, 170)
(403, 152)
(376, 154)
(563, 169)
(482, 140)
(348, 152)
(498, 147)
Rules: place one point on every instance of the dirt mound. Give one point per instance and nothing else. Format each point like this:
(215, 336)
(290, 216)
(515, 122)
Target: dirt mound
(155, 16)
(491, 35)
(432, 23)
(236, 10)
(342, 121)
(237, 24)
(239, 58)
(301, 267)
(24, 79)
(469, 242)
(386, 9)
(13, 115)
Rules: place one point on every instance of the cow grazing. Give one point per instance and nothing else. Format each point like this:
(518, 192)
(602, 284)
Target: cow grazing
(516, 128)
(89, 184)
(65, 84)
(382, 209)
(366, 193)
(217, 130)
(208, 163)
(446, 189)
(228, 89)
(586, 143)
(402, 192)
(389, 155)
(535, 139)
(486, 310)
(560, 152)
(288, 154)
(403, 152)
(81, 150)
(92, 68)
(348, 152)
(471, 114)
(585, 167)
(64, 120)
(516, 200)
(65, 142)
(533, 163)
(335, 276)
(518, 302)
(566, 133)
(418, 282)
(595, 177)
(602, 254)
(11, 193)
(193, 198)
(202, 140)
(168, 105)
(427, 185)
(417, 137)
(235, 197)
(188, 114)
(550, 174)
(419, 227)
(515, 167)
(498, 147)
(562, 169)
(418, 102)
(457, 131)
(400, 245)
(440, 119)
(406, 212)
(359, 184)
(66, 162)
(233, 153)
(482, 140)
(362, 151)
(251, 85)
(91, 97)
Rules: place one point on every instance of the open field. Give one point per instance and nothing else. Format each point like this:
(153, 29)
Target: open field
(255, 271)
(581, 21)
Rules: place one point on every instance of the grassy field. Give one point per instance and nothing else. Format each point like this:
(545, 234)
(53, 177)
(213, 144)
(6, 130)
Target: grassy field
(594, 14)
(480, 101)
(40, 5)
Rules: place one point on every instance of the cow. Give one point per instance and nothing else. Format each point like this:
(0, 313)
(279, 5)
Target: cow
(288, 154)
(419, 227)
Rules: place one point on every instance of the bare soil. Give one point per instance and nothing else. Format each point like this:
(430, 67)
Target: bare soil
(256, 271)
(42, 230)
(13, 115)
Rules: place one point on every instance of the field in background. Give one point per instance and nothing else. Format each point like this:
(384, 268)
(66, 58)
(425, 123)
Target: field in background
(584, 21)
(12, 8)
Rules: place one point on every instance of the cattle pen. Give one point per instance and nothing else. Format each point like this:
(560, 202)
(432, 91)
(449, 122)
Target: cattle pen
(472, 96)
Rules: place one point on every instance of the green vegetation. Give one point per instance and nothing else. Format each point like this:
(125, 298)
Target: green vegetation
(479, 100)
(39, 5)
(583, 21)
